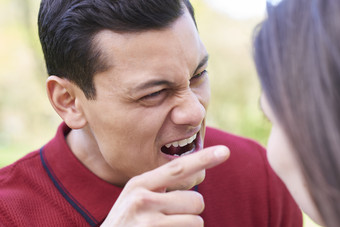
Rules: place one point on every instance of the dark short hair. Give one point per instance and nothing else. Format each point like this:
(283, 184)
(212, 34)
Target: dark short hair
(67, 29)
(297, 55)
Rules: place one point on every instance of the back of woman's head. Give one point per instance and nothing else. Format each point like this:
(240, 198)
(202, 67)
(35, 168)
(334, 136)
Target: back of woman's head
(297, 55)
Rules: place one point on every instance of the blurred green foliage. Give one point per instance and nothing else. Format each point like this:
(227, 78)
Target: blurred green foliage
(27, 120)
(234, 86)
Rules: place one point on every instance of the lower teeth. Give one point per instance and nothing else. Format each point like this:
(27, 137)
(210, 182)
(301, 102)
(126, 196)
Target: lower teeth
(186, 153)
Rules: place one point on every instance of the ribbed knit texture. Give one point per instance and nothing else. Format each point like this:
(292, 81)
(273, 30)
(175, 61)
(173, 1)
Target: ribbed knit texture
(28, 197)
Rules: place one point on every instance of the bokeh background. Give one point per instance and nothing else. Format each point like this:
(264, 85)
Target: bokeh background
(27, 121)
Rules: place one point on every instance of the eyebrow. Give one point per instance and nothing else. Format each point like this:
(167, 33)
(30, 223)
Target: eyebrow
(152, 83)
(155, 82)
(202, 62)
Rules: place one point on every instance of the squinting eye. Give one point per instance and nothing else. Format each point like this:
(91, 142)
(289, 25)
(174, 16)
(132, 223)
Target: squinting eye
(203, 73)
(152, 95)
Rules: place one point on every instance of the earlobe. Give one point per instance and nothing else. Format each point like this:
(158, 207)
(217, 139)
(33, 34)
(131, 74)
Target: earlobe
(63, 97)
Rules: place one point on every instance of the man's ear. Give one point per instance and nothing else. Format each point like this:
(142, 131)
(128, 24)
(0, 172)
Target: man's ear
(62, 95)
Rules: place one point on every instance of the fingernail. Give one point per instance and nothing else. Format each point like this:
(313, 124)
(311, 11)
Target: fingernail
(221, 152)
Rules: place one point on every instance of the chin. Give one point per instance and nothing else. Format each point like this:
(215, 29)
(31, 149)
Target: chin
(189, 182)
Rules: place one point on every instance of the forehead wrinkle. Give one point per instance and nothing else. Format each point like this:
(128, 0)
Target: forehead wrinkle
(152, 83)
(187, 65)
(193, 50)
(160, 82)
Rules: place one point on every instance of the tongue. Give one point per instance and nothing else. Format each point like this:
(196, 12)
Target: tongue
(177, 150)
(172, 150)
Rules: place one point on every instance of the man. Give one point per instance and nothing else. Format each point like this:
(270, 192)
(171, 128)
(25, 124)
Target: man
(129, 80)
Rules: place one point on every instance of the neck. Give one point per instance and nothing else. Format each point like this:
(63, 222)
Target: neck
(83, 145)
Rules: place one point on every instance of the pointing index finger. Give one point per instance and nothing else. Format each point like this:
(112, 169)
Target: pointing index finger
(184, 171)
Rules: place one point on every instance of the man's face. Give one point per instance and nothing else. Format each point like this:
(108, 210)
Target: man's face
(153, 98)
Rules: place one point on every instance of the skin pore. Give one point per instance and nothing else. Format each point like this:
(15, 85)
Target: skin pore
(155, 92)
(282, 159)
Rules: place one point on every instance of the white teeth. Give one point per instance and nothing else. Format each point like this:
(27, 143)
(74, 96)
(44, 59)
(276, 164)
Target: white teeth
(182, 143)
(188, 152)
(192, 138)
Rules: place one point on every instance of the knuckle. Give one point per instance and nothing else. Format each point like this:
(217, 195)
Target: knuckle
(142, 199)
(134, 182)
(175, 168)
(204, 158)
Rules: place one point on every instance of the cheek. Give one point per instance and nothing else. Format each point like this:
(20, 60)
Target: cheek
(275, 154)
(282, 160)
(189, 182)
(280, 156)
(207, 89)
(203, 93)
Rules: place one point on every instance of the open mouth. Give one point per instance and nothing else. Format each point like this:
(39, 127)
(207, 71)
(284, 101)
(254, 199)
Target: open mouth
(181, 147)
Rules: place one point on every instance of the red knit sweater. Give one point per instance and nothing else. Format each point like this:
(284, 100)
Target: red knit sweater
(50, 187)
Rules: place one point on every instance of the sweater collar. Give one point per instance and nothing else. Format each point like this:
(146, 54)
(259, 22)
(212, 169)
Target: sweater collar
(86, 192)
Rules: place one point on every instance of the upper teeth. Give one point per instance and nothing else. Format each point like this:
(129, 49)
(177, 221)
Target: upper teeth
(182, 143)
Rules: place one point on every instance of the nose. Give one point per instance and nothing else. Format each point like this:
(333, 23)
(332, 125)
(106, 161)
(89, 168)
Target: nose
(189, 110)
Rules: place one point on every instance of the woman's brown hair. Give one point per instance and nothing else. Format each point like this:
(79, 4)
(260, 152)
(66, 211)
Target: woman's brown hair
(297, 55)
